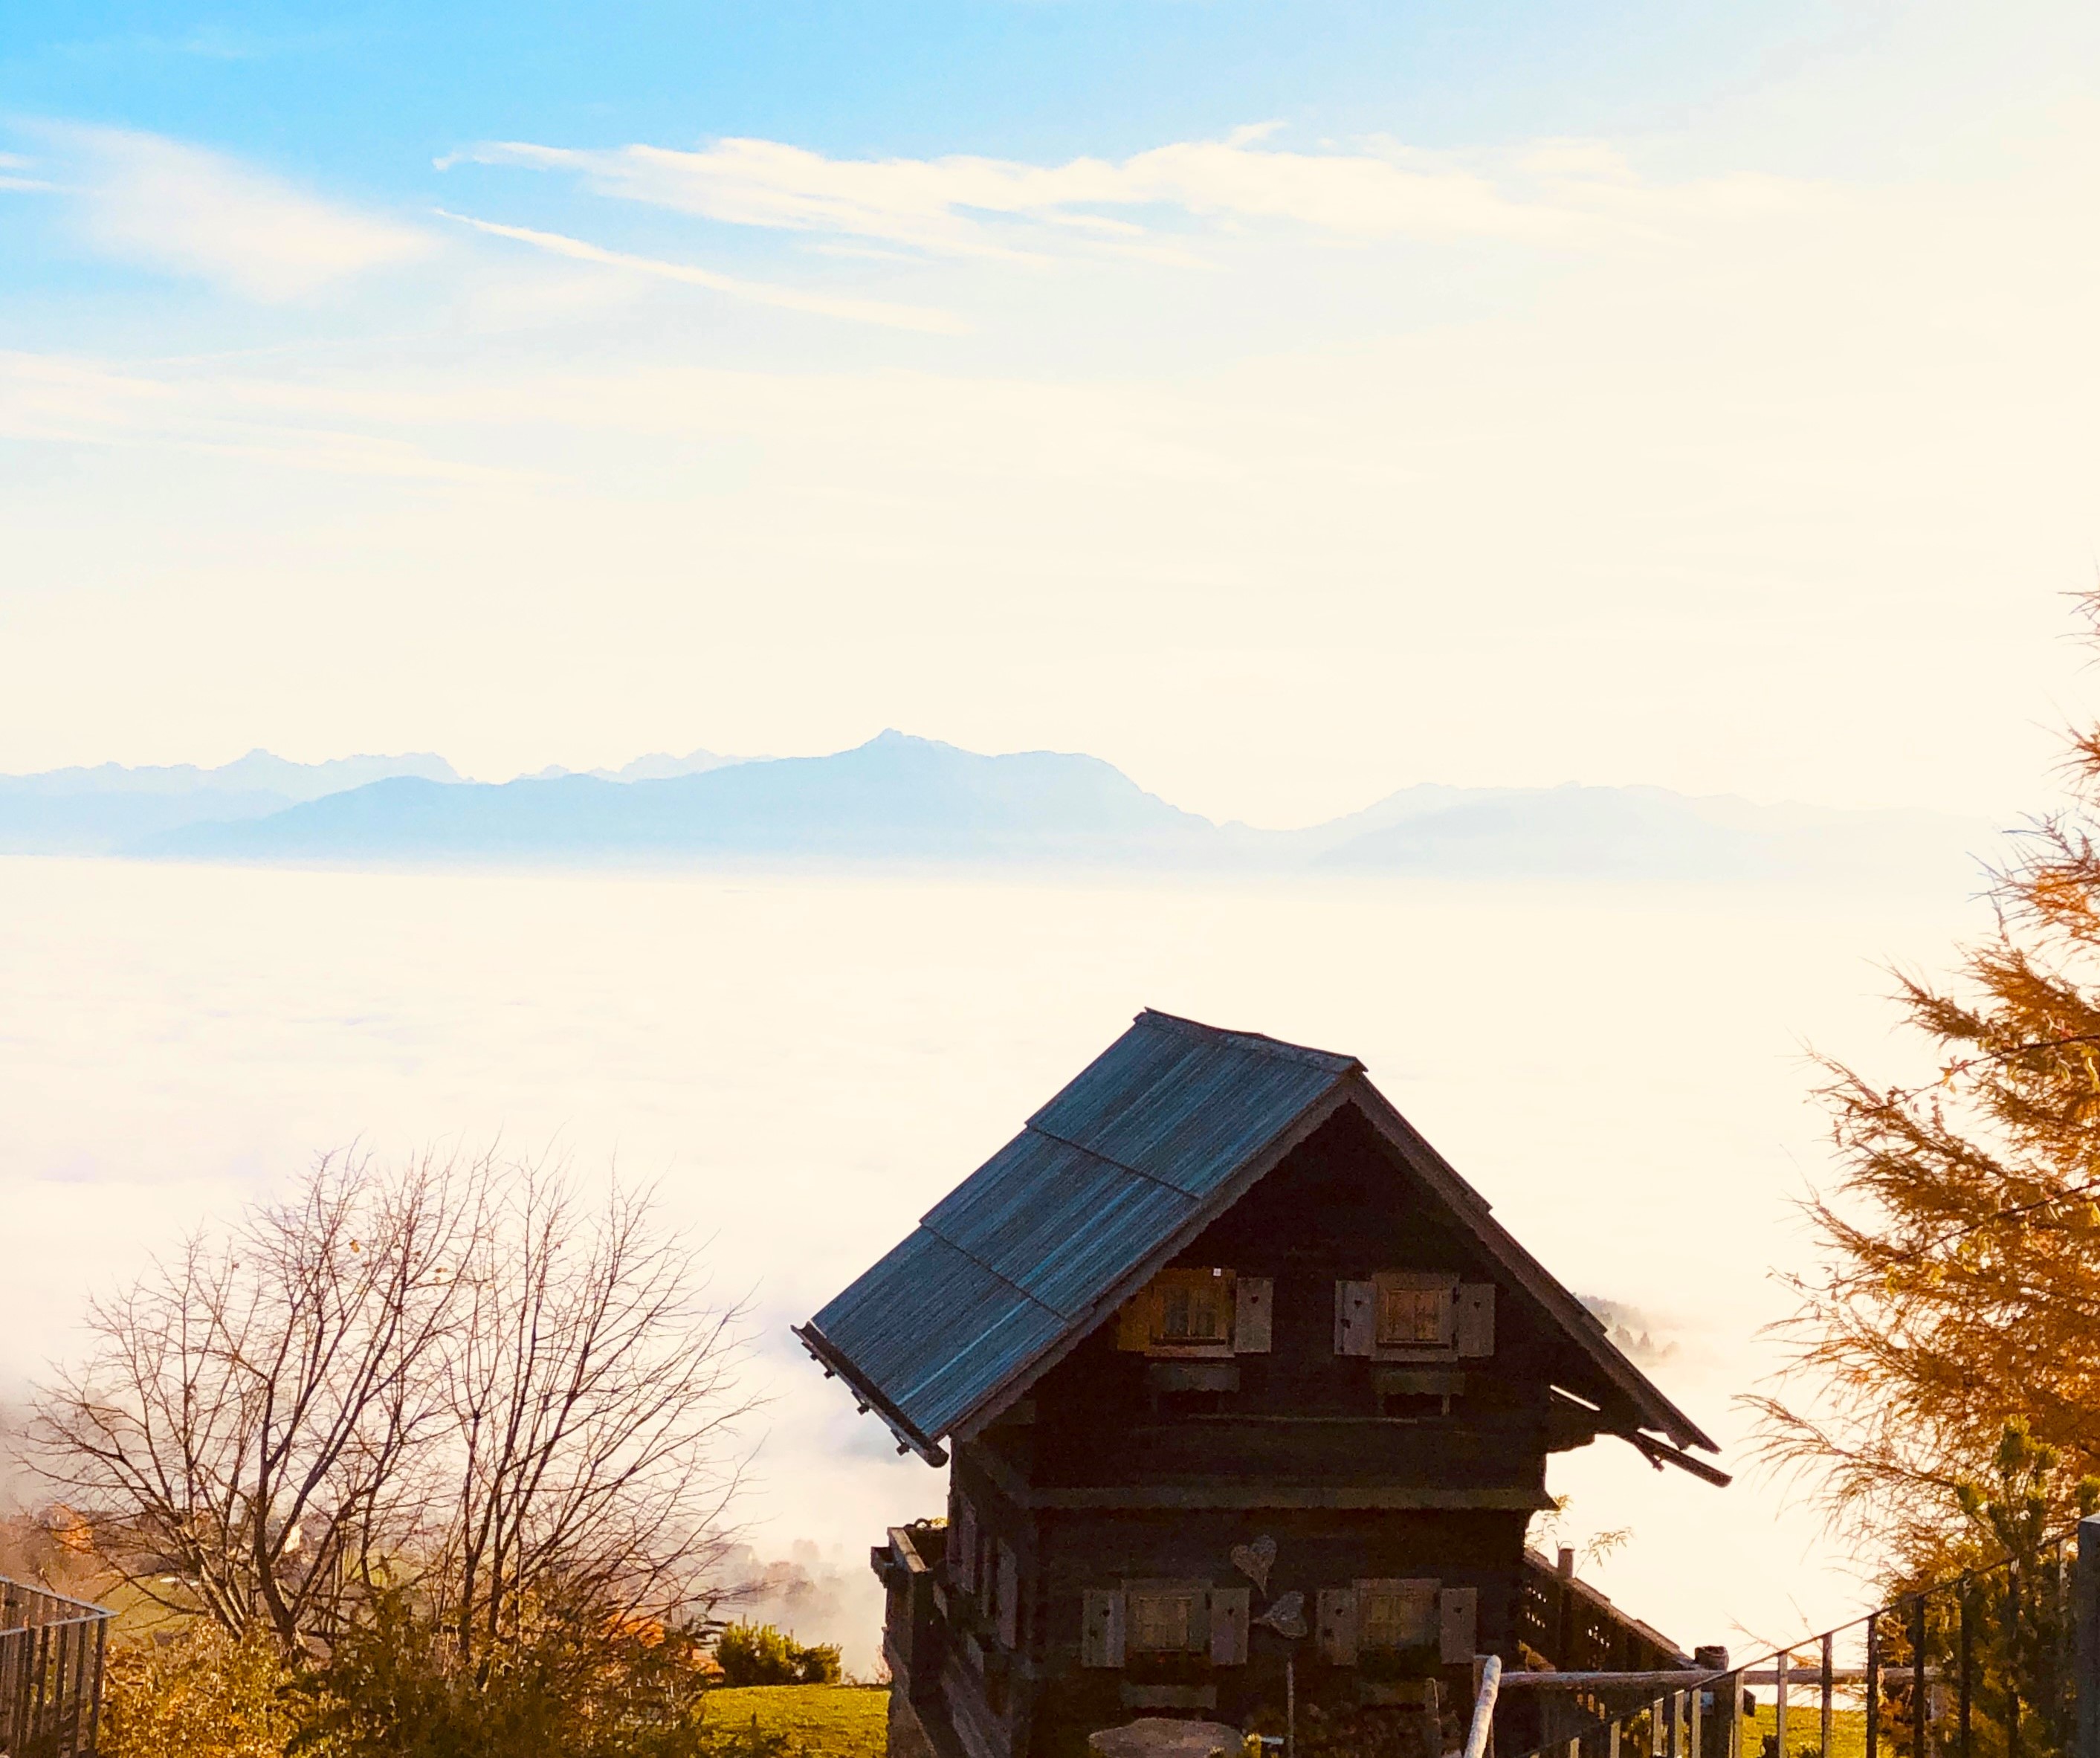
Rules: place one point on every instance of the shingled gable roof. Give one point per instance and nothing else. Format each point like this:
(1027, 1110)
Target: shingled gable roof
(1162, 1132)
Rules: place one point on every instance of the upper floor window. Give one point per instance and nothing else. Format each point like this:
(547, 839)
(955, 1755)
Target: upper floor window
(1414, 1315)
(1409, 1315)
(1193, 1306)
(1211, 1311)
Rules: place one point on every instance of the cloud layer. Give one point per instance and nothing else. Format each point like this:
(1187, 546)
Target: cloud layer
(163, 204)
(758, 292)
(961, 205)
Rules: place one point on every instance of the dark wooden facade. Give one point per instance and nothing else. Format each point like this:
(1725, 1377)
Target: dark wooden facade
(1293, 1450)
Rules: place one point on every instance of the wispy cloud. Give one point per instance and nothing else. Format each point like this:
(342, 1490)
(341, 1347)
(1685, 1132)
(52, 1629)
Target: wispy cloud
(758, 293)
(970, 206)
(167, 206)
(12, 165)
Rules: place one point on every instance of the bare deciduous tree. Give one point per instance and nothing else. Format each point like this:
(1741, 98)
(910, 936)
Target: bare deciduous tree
(241, 1432)
(457, 1376)
(590, 1392)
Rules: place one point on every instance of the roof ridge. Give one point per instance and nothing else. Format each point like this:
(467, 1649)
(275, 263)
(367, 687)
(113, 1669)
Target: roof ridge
(1260, 1043)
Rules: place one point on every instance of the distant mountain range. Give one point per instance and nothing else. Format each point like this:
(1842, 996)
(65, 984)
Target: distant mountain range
(898, 798)
(109, 809)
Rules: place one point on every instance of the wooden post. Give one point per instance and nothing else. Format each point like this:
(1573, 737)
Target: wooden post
(1779, 1706)
(95, 1702)
(1965, 1662)
(2013, 1673)
(1727, 1701)
(1830, 1685)
(1919, 1705)
(1564, 1611)
(2085, 1674)
(1873, 1685)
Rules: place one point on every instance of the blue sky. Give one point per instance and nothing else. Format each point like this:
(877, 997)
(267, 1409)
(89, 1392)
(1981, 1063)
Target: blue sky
(1287, 402)
(370, 93)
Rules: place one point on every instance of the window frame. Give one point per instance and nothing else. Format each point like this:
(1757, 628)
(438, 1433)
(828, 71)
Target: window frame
(1418, 1597)
(1141, 1328)
(1441, 1283)
(1195, 1623)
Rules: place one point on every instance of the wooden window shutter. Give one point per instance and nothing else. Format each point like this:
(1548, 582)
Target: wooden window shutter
(1355, 1318)
(1254, 1298)
(1100, 1628)
(1230, 1608)
(1134, 1322)
(1458, 1621)
(1337, 1622)
(1476, 1336)
(1006, 1597)
(963, 1547)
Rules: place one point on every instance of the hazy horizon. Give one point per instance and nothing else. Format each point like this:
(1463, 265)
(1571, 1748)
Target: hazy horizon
(213, 764)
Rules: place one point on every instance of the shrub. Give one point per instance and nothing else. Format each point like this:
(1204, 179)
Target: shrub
(197, 1694)
(396, 1687)
(757, 1653)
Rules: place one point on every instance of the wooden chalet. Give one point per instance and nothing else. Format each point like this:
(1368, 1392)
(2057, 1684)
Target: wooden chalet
(1246, 1394)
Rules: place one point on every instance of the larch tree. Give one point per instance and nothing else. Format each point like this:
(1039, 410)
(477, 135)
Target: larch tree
(1959, 1284)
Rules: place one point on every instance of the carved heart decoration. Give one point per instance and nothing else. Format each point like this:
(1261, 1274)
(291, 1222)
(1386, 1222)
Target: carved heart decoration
(1254, 1561)
(1286, 1617)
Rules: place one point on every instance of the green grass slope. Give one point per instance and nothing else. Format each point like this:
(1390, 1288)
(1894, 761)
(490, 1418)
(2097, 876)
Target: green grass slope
(835, 1720)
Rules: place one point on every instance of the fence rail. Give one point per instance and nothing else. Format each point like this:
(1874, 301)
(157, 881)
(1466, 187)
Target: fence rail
(1999, 1662)
(52, 1650)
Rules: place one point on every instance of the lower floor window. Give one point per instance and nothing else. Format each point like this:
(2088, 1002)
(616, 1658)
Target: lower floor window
(1396, 1614)
(1165, 1631)
(1162, 1621)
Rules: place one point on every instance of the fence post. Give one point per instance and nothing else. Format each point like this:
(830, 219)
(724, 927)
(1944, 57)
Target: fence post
(1728, 1691)
(1829, 1688)
(1873, 1685)
(1966, 1601)
(2085, 1685)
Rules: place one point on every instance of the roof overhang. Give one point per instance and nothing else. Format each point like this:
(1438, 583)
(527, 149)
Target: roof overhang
(835, 1363)
(1575, 1319)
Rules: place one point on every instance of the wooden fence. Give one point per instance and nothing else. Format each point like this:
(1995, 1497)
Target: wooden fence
(1999, 1663)
(51, 1654)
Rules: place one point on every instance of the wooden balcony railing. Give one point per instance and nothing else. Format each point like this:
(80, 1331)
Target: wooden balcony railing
(52, 1655)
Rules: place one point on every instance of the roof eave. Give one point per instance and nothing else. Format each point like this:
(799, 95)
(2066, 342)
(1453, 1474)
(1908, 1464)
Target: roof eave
(834, 1361)
(1655, 1409)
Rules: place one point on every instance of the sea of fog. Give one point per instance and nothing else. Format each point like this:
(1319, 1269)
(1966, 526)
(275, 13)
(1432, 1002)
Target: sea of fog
(804, 1063)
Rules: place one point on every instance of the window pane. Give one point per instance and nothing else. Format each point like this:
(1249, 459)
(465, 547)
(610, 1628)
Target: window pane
(1410, 1316)
(1388, 1617)
(1159, 1622)
(1191, 1306)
